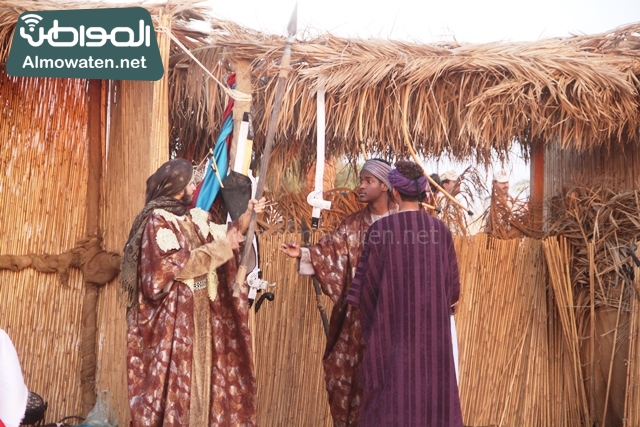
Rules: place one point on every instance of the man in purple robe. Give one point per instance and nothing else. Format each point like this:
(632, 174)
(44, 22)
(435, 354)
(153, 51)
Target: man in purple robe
(333, 261)
(405, 286)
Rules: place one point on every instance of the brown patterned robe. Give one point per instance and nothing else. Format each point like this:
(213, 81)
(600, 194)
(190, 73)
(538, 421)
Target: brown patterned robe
(334, 259)
(189, 358)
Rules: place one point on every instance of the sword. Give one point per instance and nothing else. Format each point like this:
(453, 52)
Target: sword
(306, 233)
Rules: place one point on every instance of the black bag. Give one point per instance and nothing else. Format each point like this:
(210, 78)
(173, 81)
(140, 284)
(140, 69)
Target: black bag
(236, 193)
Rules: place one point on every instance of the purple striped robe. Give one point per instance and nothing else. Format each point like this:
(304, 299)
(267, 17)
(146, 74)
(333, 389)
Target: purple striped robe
(405, 284)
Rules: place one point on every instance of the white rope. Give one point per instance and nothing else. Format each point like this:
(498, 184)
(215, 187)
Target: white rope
(233, 93)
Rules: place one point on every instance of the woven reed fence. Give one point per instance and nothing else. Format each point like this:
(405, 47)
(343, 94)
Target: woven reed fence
(43, 193)
(507, 361)
(600, 339)
(592, 271)
(44, 211)
(289, 344)
(520, 359)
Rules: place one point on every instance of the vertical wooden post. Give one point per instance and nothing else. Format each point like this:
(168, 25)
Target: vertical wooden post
(537, 185)
(159, 144)
(243, 84)
(88, 342)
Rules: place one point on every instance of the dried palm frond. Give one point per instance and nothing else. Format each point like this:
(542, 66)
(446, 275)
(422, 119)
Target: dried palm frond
(291, 209)
(608, 219)
(508, 217)
(472, 190)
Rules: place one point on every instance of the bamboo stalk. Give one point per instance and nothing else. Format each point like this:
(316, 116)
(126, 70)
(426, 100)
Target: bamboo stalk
(592, 313)
(613, 352)
(631, 397)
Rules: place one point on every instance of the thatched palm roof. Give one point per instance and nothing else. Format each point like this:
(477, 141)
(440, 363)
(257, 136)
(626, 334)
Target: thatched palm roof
(461, 99)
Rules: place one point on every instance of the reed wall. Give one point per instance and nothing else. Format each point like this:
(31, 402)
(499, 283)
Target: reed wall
(42, 211)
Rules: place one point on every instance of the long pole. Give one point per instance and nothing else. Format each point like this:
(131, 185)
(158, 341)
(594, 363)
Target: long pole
(277, 103)
(409, 145)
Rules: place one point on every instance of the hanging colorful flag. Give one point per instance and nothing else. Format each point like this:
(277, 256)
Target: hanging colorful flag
(218, 163)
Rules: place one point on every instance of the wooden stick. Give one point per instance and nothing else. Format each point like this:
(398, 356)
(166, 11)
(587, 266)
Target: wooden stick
(409, 145)
(592, 310)
(285, 67)
(233, 93)
(428, 206)
(630, 405)
(364, 152)
(214, 166)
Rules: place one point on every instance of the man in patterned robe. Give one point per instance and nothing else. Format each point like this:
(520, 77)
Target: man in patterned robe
(333, 261)
(406, 284)
(189, 357)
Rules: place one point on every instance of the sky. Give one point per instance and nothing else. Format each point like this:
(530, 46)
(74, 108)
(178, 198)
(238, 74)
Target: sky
(424, 21)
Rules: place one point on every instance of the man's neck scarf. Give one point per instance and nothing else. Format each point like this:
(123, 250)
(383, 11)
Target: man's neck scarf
(379, 169)
(170, 179)
(405, 186)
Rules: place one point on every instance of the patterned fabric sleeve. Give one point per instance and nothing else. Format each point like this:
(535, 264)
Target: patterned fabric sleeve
(353, 297)
(330, 259)
(365, 287)
(164, 252)
(206, 259)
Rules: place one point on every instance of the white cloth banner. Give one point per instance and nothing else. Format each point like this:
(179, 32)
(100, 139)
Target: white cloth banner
(454, 342)
(13, 391)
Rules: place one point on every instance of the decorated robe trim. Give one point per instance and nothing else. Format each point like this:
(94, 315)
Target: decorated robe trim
(200, 219)
(168, 216)
(218, 231)
(212, 283)
(167, 240)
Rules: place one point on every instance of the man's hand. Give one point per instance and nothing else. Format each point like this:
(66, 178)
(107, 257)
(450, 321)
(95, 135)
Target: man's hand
(291, 250)
(257, 205)
(253, 205)
(234, 238)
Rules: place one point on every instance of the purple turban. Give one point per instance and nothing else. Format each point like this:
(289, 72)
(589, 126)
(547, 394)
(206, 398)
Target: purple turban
(405, 186)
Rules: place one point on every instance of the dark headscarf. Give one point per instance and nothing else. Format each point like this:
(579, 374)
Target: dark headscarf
(406, 186)
(170, 179)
